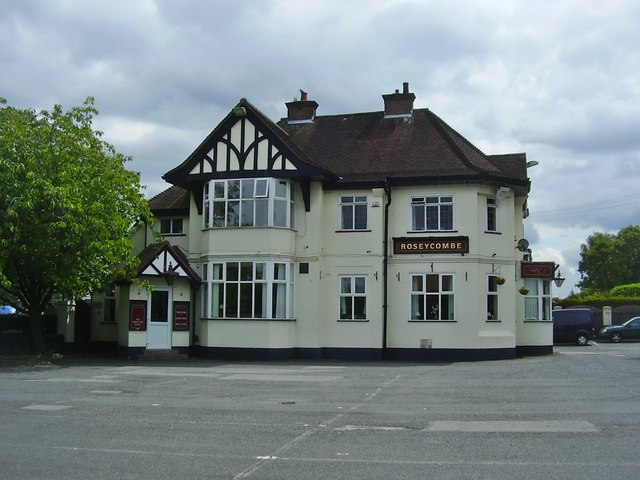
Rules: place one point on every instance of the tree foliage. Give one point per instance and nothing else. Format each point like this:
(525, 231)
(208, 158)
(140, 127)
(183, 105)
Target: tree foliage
(628, 290)
(609, 259)
(68, 206)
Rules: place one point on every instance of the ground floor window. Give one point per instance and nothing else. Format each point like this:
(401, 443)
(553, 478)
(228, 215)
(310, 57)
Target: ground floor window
(492, 298)
(432, 296)
(110, 305)
(537, 302)
(353, 297)
(246, 289)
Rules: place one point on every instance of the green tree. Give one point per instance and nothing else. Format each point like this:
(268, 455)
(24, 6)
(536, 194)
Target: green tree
(608, 260)
(68, 207)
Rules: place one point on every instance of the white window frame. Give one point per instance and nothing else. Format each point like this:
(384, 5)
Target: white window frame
(172, 226)
(493, 298)
(537, 302)
(352, 209)
(422, 306)
(492, 212)
(267, 283)
(109, 310)
(421, 220)
(248, 203)
(352, 289)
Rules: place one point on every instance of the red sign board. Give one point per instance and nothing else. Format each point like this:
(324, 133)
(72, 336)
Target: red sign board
(538, 270)
(181, 316)
(417, 245)
(137, 315)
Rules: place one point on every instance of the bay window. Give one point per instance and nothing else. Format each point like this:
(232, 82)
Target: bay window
(251, 290)
(248, 202)
(537, 302)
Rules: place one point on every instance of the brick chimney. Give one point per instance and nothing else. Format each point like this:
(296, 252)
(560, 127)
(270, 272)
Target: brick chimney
(399, 104)
(301, 111)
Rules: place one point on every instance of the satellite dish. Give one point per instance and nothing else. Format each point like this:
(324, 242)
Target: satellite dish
(523, 245)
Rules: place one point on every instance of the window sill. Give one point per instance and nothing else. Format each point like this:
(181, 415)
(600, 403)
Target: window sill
(345, 320)
(491, 232)
(173, 234)
(246, 227)
(433, 321)
(353, 231)
(494, 321)
(430, 231)
(234, 319)
(537, 321)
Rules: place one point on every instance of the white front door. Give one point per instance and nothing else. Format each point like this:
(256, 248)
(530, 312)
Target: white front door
(159, 320)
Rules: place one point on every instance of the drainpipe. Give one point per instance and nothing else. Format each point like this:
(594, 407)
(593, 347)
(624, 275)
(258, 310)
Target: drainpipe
(385, 267)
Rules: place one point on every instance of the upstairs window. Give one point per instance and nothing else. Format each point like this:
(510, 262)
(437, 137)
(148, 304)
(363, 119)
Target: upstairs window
(492, 223)
(171, 226)
(353, 212)
(432, 213)
(248, 202)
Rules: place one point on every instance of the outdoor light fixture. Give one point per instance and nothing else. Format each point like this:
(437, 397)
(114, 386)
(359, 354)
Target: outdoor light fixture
(503, 192)
(558, 280)
(170, 274)
(532, 163)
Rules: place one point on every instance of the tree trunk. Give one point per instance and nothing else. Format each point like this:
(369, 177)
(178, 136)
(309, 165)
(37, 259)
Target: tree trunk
(37, 332)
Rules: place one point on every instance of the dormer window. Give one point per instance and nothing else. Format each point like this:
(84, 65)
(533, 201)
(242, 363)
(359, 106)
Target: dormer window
(248, 202)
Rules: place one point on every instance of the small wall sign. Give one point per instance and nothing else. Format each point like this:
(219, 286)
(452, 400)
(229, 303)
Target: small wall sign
(137, 315)
(180, 316)
(537, 270)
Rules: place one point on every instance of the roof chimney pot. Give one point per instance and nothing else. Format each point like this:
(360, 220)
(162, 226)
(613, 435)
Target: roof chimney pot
(301, 111)
(399, 104)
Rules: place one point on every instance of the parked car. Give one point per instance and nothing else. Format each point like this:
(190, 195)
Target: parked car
(628, 330)
(572, 325)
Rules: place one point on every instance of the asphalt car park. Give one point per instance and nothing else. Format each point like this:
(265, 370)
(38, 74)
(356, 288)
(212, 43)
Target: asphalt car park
(573, 414)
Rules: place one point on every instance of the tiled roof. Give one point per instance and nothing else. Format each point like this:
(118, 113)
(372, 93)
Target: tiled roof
(368, 147)
(173, 199)
(150, 252)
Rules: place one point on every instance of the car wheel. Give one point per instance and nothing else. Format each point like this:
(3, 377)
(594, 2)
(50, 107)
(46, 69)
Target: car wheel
(616, 337)
(582, 339)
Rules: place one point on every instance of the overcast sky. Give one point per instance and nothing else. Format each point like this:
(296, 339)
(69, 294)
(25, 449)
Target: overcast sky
(557, 79)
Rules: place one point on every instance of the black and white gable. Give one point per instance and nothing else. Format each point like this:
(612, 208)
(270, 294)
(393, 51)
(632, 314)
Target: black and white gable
(246, 144)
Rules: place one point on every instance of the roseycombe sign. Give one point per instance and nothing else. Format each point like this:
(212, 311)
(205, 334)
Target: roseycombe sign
(405, 245)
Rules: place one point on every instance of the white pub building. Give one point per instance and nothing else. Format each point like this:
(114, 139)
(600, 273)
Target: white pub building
(379, 235)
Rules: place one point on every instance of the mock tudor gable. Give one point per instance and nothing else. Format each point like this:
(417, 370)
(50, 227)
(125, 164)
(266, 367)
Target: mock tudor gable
(246, 143)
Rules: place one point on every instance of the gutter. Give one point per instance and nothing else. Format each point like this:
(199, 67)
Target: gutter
(385, 268)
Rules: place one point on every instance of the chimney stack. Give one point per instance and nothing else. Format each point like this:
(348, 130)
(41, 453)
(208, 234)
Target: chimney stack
(397, 105)
(301, 111)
